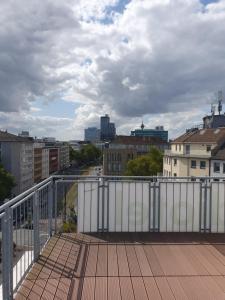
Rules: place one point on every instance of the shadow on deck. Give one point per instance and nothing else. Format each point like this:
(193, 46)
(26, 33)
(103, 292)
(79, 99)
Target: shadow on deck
(129, 266)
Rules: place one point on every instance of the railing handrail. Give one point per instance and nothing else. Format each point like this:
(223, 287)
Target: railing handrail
(14, 200)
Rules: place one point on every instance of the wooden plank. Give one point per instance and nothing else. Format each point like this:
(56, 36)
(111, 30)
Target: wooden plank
(126, 288)
(88, 292)
(74, 293)
(194, 261)
(184, 265)
(81, 262)
(153, 261)
(164, 288)
(132, 261)
(176, 288)
(216, 253)
(101, 288)
(112, 261)
(139, 288)
(122, 261)
(212, 287)
(102, 264)
(151, 288)
(220, 280)
(114, 288)
(212, 258)
(206, 259)
(91, 261)
(194, 288)
(143, 262)
(167, 260)
(63, 288)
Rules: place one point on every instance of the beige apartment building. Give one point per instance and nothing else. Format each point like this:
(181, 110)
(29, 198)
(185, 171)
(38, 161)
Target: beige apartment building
(190, 154)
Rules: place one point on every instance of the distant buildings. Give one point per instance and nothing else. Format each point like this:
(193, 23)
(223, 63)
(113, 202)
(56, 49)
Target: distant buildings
(157, 132)
(29, 160)
(92, 134)
(107, 129)
(125, 148)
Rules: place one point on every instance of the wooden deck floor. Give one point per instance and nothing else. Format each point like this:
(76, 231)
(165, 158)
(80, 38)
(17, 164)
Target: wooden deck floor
(128, 266)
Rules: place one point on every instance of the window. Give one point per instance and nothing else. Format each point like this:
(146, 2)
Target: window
(179, 147)
(176, 147)
(187, 148)
(193, 164)
(175, 174)
(202, 164)
(223, 168)
(216, 167)
(208, 148)
(175, 162)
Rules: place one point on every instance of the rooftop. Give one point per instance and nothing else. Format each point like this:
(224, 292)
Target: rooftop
(129, 266)
(9, 137)
(137, 140)
(214, 136)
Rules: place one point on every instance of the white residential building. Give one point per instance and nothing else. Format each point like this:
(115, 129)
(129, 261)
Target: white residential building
(191, 153)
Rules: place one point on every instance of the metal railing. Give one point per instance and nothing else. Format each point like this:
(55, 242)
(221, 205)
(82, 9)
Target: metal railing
(102, 204)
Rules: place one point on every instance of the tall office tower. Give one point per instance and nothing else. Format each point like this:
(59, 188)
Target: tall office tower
(107, 129)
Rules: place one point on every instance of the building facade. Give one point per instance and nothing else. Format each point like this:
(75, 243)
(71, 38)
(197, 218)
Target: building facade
(92, 134)
(157, 132)
(64, 156)
(17, 158)
(124, 148)
(45, 163)
(191, 153)
(37, 162)
(53, 160)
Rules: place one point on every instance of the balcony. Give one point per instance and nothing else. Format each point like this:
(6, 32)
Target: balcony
(136, 238)
(171, 153)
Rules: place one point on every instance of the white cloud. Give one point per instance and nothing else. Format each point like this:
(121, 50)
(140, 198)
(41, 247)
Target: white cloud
(159, 58)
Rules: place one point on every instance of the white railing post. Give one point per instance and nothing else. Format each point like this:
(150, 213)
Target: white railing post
(50, 207)
(7, 254)
(36, 225)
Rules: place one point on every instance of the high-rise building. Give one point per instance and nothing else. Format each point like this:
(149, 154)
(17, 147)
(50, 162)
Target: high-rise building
(157, 132)
(107, 129)
(92, 134)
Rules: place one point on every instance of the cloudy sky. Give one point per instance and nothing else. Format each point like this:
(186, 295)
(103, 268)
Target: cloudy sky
(65, 63)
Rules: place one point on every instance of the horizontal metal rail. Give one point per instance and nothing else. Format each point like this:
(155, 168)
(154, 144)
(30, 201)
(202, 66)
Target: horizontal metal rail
(104, 203)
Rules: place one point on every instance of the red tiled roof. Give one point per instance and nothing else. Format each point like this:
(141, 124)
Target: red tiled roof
(211, 136)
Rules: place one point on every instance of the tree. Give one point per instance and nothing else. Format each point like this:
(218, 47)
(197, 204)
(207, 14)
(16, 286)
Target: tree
(88, 154)
(74, 155)
(146, 165)
(7, 182)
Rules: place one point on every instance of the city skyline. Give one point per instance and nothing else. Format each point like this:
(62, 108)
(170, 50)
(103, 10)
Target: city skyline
(158, 61)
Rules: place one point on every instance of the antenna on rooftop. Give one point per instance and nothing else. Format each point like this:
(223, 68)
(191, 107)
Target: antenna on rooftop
(213, 109)
(220, 99)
